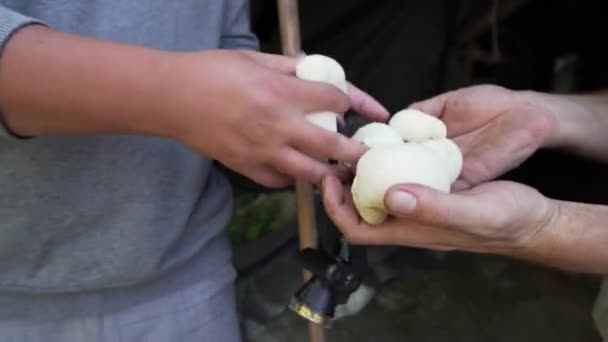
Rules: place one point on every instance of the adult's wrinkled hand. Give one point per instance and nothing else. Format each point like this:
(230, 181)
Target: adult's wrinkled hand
(494, 217)
(496, 128)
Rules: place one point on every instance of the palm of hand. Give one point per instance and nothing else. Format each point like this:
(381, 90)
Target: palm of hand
(490, 217)
(505, 211)
(494, 127)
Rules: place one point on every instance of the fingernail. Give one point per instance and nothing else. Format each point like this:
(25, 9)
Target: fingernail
(401, 202)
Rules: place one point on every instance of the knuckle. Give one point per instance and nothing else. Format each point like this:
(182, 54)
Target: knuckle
(456, 103)
(445, 216)
(540, 126)
(257, 131)
(329, 141)
(342, 102)
(266, 98)
(333, 98)
(307, 171)
(261, 128)
(275, 86)
(277, 92)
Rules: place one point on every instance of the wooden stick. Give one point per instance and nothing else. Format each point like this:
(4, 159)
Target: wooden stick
(289, 24)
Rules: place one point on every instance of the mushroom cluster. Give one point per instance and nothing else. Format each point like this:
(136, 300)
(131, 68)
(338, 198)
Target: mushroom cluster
(412, 148)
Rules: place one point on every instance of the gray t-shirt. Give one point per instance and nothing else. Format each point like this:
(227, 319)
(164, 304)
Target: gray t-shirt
(91, 213)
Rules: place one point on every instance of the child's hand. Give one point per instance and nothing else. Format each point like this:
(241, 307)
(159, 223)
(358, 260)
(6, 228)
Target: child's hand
(247, 110)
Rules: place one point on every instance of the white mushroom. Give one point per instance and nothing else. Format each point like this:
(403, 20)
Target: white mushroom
(377, 134)
(384, 166)
(322, 69)
(416, 126)
(427, 158)
(450, 153)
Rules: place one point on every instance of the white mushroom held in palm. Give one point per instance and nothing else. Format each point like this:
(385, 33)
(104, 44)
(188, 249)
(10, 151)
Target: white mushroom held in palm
(422, 154)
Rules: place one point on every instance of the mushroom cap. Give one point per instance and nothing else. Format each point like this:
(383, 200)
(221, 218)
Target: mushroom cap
(322, 69)
(376, 134)
(415, 126)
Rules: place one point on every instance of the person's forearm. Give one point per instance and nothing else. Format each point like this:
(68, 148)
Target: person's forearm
(582, 122)
(58, 83)
(576, 239)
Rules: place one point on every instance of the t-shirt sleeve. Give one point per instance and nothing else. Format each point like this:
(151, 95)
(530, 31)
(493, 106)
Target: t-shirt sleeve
(236, 33)
(10, 22)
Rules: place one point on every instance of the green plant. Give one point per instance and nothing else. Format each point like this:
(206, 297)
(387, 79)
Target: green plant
(256, 215)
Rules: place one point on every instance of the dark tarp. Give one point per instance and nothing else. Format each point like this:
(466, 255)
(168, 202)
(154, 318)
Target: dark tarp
(398, 50)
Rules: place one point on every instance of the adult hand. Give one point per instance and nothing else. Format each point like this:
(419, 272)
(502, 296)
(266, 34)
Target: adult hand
(496, 128)
(495, 217)
(247, 110)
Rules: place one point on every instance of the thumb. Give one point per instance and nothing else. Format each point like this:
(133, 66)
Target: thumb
(430, 206)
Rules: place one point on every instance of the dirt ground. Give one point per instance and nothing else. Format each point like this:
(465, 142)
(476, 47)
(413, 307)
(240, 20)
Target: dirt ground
(455, 297)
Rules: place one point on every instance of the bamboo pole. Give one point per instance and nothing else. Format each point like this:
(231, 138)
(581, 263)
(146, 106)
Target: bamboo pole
(289, 25)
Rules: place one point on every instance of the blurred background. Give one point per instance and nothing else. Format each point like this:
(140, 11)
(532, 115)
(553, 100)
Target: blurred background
(402, 51)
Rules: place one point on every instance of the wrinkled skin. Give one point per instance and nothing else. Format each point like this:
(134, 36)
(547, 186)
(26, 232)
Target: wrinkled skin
(496, 129)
